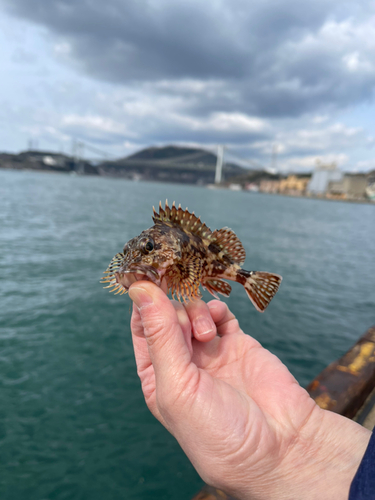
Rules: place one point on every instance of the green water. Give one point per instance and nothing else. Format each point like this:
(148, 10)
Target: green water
(73, 423)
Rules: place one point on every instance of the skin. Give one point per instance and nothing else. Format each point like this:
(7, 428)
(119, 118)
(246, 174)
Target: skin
(238, 413)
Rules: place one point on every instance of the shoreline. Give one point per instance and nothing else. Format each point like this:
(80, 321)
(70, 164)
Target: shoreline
(321, 198)
(206, 186)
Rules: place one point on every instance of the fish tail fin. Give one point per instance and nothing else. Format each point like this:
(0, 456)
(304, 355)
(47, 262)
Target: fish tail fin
(259, 286)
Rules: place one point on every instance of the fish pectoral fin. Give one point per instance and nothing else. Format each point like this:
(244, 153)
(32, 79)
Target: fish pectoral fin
(217, 285)
(230, 244)
(184, 278)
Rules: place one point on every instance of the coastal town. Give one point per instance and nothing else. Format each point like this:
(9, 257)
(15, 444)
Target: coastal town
(196, 166)
(326, 181)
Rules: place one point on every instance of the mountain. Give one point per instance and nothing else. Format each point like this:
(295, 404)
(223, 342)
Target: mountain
(47, 161)
(175, 153)
(165, 164)
(169, 163)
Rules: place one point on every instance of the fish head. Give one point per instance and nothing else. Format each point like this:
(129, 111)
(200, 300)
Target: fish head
(145, 257)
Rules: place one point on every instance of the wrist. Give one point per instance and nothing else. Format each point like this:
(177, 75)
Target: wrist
(319, 462)
(329, 453)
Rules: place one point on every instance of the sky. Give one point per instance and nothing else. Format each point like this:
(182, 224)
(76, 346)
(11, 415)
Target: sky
(280, 83)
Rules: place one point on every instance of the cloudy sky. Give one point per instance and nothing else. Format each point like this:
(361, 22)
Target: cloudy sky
(288, 76)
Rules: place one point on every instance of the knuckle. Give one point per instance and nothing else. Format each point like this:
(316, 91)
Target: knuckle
(234, 324)
(177, 400)
(157, 331)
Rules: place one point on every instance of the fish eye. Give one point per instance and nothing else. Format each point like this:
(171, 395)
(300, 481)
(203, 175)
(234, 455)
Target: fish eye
(147, 246)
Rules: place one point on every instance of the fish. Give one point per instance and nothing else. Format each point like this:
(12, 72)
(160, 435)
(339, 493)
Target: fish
(180, 249)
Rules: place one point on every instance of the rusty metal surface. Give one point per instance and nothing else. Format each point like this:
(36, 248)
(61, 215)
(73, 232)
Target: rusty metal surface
(345, 384)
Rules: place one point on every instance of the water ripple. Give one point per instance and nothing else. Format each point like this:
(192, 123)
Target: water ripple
(73, 422)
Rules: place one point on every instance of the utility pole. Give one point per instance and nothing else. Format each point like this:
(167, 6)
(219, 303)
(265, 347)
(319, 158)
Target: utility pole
(219, 164)
(74, 150)
(75, 155)
(274, 158)
(79, 148)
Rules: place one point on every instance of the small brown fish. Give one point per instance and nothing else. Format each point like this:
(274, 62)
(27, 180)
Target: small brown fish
(181, 249)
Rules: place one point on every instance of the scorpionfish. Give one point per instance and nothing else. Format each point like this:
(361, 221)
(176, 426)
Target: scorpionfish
(183, 251)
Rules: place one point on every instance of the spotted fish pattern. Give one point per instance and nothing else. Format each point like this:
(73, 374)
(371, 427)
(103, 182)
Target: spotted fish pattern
(180, 249)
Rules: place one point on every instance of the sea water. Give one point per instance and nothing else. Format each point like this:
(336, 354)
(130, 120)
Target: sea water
(73, 422)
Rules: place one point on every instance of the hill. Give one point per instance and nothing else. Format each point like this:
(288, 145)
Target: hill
(171, 164)
(165, 164)
(176, 154)
(45, 160)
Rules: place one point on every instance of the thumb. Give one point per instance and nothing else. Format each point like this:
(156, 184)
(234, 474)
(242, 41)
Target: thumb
(167, 346)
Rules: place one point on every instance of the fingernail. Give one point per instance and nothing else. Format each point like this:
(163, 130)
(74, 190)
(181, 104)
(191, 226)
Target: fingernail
(140, 297)
(202, 326)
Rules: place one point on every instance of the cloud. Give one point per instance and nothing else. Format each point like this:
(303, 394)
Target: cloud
(95, 126)
(248, 75)
(21, 56)
(313, 139)
(332, 137)
(309, 162)
(364, 165)
(269, 59)
(320, 118)
(228, 123)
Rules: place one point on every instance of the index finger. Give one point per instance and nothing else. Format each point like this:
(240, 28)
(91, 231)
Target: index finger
(203, 326)
(225, 321)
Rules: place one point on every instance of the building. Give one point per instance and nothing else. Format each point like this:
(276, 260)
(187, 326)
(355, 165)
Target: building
(350, 187)
(293, 185)
(370, 191)
(269, 186)
(252, 187)
(322, 176)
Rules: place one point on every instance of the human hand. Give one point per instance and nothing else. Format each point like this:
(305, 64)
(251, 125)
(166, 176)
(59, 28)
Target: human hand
(238, 413)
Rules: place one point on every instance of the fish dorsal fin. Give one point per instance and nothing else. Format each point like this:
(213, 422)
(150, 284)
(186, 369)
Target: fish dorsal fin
(230, 244)
(183, 218)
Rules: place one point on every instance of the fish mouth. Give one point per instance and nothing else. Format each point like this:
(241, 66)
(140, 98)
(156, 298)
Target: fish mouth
(126, 277)
(120, 278)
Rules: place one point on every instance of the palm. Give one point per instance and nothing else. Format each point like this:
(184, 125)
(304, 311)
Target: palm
(256, 398)
(242, 419)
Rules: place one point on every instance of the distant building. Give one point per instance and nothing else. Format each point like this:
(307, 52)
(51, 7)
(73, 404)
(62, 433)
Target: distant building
(47, 161)
(252, 186)
(293, 185)
(370, 191)
(235, 187)
(269, 186)
(322, 176)
(350, 187)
